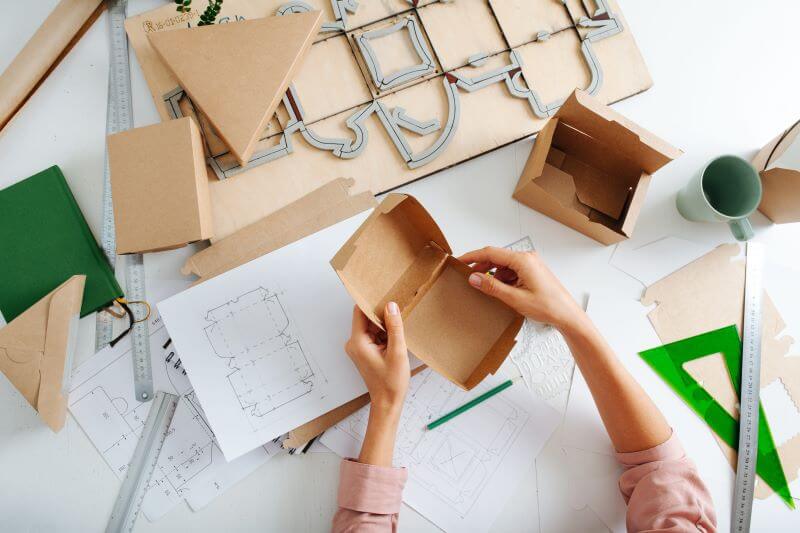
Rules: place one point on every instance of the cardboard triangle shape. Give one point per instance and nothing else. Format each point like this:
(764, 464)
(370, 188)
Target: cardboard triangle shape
(236, 73)
(36, 350)
(668, 362)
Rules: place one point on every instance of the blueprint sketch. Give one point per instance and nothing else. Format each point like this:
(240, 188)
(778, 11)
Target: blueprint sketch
(268, 366)
(542, 356)
(461, 473)
(263, 343)
(191, 465)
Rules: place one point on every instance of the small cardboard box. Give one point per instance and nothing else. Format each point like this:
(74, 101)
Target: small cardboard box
(159, 187)
(778, 164)
(399, 254)
(590, 168)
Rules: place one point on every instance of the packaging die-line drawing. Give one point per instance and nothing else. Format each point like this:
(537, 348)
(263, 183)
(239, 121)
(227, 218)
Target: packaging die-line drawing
(268, 367)
(454, 465)
(602, 24)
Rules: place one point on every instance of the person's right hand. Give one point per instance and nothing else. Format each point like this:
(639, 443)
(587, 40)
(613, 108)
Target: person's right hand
(523, 282)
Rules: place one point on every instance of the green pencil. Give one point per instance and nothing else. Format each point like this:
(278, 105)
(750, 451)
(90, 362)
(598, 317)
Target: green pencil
(470, 404)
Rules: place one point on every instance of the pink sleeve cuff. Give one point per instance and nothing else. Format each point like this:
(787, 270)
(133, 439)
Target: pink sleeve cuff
(669, 450)
(371, 489)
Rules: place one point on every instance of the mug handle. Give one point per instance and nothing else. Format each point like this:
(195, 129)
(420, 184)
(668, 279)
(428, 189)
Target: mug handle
(742, 229)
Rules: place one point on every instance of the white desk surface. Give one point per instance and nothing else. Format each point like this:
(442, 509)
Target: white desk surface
(726, 81)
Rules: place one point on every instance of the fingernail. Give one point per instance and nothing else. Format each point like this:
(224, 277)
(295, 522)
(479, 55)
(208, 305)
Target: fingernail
(393, 309)
(475, 280)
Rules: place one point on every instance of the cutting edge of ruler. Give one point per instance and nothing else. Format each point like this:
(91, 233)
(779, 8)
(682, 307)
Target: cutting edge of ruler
(744, 487)
(143, 463)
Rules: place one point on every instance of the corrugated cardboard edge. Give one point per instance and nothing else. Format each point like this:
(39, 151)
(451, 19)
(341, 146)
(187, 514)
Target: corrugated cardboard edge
(300, 436)
(319, 209)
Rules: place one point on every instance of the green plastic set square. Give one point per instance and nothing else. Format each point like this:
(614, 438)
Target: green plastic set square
(668, 362)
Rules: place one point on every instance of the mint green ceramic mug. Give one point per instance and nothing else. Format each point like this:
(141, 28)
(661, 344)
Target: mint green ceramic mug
(727, 189)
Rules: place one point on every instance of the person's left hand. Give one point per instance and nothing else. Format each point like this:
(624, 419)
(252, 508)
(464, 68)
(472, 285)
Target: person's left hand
(383, 363)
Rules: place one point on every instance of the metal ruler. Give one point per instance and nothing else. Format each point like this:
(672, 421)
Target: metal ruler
(140, 469)
(119, 117)
(749, 393)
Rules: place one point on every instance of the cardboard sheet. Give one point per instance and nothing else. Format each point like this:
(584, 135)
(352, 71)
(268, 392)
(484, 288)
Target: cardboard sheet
(263, 189)
(65, 25)
(331, 203)
(708, 294)
(462, 473)
(36, 350)
(243, 72)
(262, 343)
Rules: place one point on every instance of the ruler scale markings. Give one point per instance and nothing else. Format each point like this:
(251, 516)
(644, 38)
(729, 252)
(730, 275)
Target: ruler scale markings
(143, 463)
(750, 389)
(120, 118)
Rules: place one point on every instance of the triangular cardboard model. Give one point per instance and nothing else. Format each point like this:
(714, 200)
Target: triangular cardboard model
(36, 350)
(590, 168)
(236, 73)
(778, 164)
(399, 254)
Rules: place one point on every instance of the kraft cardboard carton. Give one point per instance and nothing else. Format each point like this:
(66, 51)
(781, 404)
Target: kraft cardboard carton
(399, 254)
(590, 168)
(159, 186)
(778, 164)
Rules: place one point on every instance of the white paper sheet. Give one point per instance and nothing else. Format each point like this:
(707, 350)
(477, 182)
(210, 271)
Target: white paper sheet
(624, 324)
(263, 343)
(190, 465)
(462, 473)
(541, 355)
(656, 260)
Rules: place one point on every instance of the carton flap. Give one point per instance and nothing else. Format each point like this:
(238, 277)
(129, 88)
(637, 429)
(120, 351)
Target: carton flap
(539, 153)
(455, 329)
(319, 209)
(589, 115)
(384, 248)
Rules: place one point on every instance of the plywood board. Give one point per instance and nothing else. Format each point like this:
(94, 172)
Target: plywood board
(431, 122)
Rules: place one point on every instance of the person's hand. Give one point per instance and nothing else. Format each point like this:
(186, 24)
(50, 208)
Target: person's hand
(383, 363)
(523, 282)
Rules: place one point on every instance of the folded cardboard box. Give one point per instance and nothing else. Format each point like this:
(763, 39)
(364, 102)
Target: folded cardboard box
(399, 254)
(778, 164)
(590, 168)
(159, 186)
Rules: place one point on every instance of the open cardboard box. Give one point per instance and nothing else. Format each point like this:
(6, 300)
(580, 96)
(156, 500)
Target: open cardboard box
(778, 164)
(399, 254)
(590, 168)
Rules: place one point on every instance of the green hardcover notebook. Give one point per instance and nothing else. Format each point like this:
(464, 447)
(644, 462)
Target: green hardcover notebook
(44, 240)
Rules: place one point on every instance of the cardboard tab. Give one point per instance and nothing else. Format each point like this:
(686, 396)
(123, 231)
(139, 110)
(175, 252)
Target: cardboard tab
(36, 350)
(400, 254)
(331, 203)
(236, 73)
(587, 114)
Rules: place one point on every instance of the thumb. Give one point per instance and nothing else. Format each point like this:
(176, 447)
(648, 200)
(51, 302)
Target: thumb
(396, 345)
(495, 288)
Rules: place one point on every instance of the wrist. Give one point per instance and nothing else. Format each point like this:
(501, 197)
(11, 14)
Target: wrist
(574, 325)
(386, 409)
